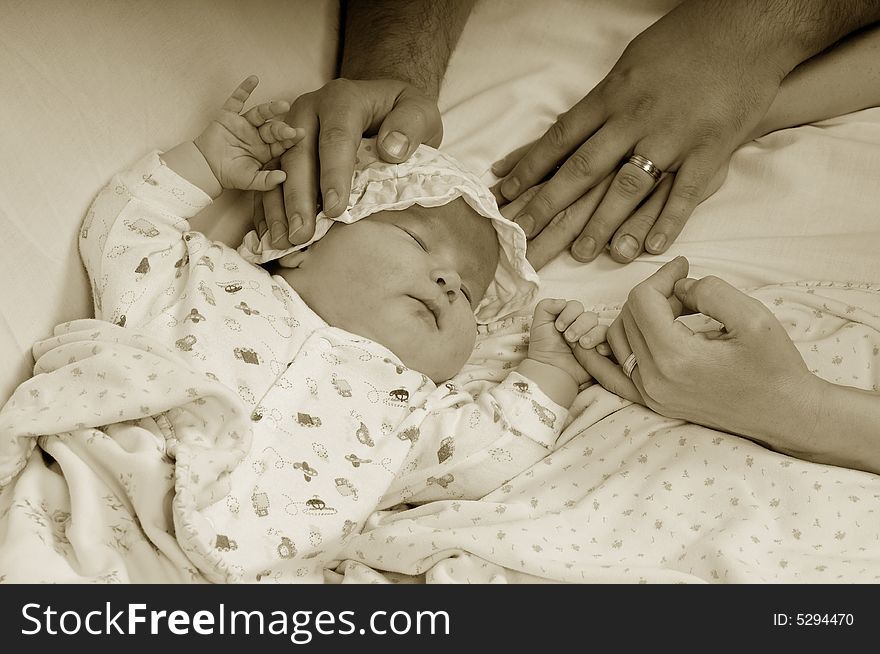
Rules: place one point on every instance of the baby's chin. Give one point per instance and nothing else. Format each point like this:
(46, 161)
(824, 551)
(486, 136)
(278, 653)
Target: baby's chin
(436, 368)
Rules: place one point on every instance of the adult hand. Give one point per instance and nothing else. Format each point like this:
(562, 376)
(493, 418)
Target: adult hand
(684, 94)
(747, 377)
(335, 118)
(567, 225)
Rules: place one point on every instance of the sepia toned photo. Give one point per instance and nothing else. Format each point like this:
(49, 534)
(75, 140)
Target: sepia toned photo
(439, 292)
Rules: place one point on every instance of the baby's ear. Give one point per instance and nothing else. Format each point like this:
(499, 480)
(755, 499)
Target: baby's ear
(294, 259)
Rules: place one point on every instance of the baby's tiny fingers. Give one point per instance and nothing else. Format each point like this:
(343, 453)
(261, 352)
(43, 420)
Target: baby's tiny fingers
(273, 131)
(604, 349)
(258, 115)
(280, 147)
(594, 337)
(266, 180)
(548, 308)
(581, 326)
(235, 102)
(569, 314)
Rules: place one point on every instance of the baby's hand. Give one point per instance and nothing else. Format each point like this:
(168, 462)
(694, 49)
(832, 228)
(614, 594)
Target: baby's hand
(237, 146)
(557, 327)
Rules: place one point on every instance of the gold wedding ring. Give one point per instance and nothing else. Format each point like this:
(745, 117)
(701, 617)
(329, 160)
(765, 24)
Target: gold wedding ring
(645, 164)
(629, 365)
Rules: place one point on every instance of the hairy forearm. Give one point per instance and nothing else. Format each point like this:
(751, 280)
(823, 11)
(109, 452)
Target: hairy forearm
(775, 34)
(406, 40)
(838, 425)
(803, 28)
(843, 79)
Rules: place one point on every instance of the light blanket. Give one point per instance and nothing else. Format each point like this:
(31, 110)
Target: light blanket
(629, 496)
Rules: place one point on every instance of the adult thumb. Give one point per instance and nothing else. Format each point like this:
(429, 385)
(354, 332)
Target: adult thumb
(414, 119)
(717, 299)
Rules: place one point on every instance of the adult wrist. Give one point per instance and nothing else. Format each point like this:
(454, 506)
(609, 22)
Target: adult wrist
(796, 427)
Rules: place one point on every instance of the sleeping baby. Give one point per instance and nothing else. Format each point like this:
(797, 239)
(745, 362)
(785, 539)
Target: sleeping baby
(345, 350)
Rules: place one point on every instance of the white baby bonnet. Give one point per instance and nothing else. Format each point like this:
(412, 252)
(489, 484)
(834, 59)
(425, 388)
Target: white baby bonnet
(429, 178)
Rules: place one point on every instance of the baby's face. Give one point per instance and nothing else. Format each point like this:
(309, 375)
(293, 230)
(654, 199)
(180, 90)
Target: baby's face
(409, 280)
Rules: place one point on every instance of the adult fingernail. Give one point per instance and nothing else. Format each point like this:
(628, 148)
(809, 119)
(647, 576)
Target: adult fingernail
(584, 249)
(510, 187)
(331, 198)
(396, 144)
(295, 222)
(627, 246)
(277, 233)
(657, 242)
(525, 221)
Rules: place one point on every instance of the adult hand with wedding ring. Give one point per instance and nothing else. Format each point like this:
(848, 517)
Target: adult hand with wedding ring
(684, 94)
(747, 377)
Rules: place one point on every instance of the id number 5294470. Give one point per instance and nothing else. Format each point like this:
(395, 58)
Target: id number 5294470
(813, 619)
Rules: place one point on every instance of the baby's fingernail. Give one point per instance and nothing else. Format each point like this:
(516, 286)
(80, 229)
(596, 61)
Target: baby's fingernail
(584, 249)
(558, 325)
(396, 144)
(497, 167)
(510, 187)
(657, 242)
(569, 335)
(627, 246)
(525, 221)
(331, 198)
(277, 233)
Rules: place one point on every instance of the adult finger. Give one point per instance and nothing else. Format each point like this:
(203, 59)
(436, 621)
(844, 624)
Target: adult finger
(616, 339)
(688, 189)
(580, 172)
(565, 226)
(296, 218)
(504, 165)
(650, 307)
(341, 125)
(272, 211)
(413, 120)
(717, 299)
(510, 210)
(563, 137)
(259, 217)
(608, 374)
(631, 185)
(629, 240)
(644, 363)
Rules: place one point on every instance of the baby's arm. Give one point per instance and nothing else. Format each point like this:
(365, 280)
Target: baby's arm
(556, 326)
(133, 241)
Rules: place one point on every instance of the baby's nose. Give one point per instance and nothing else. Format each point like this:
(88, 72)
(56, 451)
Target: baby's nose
(448, 280)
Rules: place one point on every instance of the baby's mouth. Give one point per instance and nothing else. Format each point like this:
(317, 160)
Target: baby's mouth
(432, 306)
